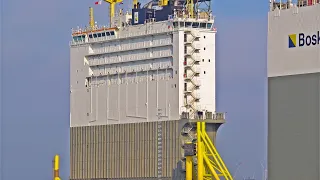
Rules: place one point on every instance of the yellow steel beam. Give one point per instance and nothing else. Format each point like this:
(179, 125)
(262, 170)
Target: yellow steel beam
(162, 2)
(135, 2)
(190, 8)
(208, 157)
(91, 17)
(56, 168)
(199, 153)
(112, 8)
(189, 167)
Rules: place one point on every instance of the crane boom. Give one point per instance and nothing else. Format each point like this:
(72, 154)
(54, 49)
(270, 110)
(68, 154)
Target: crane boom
(91, 17)
(112, 8)
(135, 2)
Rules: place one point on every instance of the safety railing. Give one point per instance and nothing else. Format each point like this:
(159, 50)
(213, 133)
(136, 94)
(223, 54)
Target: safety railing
(117, 49)
(122, 35)
(141, 57)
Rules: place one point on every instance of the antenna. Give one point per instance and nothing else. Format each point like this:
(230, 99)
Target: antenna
(235, 173)
(264, 172)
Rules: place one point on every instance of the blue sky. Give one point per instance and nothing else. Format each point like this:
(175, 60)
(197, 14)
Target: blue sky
(35, 83)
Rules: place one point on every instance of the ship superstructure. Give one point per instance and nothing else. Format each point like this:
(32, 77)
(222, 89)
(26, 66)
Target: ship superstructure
(137, 87)
(293, 90)
(133, 70)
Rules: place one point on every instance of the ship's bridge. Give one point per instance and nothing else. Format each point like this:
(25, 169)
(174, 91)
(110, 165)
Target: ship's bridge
(83, 35)
(179, 18)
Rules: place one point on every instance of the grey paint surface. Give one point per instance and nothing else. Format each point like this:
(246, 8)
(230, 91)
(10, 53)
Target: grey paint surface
(293, 127)
(129, 151)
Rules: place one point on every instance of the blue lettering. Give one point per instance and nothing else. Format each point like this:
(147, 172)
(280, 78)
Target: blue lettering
(301, 39)
(308, 40)
(314, 39)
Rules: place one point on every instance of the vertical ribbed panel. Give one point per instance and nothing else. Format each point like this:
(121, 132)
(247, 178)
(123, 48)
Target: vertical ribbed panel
(123, 150)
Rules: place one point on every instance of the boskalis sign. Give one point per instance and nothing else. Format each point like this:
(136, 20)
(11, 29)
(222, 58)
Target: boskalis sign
(302, 39)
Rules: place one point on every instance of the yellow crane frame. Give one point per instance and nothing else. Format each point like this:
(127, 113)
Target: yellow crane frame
(112, 8)
(56, 168)
(209, 163)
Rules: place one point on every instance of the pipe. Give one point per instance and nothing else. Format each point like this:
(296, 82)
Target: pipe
(56, 168)
(199, 152)
(188, 167)
(91, 17)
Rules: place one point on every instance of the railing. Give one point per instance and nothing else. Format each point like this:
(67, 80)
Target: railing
(123, 36)
(194, 86)
(181, 14)
(189, 76)
(121, 48)
(196, 82)
(205, 115)
(86, 29)
(123, 70)
(195, 70)
(196, 46)
(190, 51)
(131, 58)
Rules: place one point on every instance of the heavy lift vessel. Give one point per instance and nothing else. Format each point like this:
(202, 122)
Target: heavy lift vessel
(143, 95)
(202, 160)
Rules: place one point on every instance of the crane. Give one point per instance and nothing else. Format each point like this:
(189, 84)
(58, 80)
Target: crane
(112, 7)
(209, 163)
(162, 2)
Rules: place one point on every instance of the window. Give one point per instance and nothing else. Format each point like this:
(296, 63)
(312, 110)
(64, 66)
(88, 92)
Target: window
(209, 60)
(175, 24)
(204, 37)
(175, 85)
(204, 72)
(195, 25)
(204, 48)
